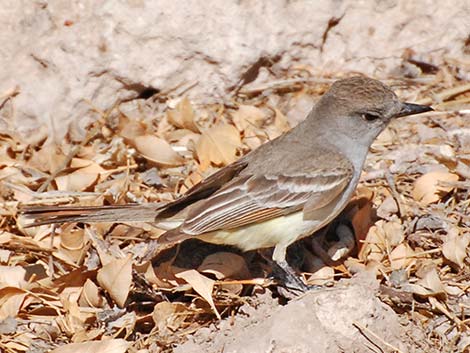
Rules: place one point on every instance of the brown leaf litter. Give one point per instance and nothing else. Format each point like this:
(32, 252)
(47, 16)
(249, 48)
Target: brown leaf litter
(76, 287)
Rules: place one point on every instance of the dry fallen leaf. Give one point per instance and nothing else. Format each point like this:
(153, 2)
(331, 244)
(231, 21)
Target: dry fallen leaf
(381, 237)
(321, 274)
(360, 211)
(401, 256)
(201, 284)
(388, 208)
(280, 122)
(278, 126)
(163, 276)
(249, 120)
(182, 137)
(373, 246)
(183, 116)
(12, 276)
(5, 256)
(48, 159)
(455, 247)
(393, 232)
(427, 188)
(103, 346)
(218, 145)
(11, 301)
(72, 323)
(248, 116)
(91, 295)
(169, 316)
(130, 129)
(191, 180)
(116, 278)
(429, 285)
(157, 151)
(72, 244)
(225, 265)
(76, 181)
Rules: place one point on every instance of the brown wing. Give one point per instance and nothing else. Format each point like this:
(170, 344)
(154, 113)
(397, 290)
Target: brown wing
(249, 198)
(203, 189)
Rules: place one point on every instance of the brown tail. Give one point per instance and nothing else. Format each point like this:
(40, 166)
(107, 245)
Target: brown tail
(92, 214)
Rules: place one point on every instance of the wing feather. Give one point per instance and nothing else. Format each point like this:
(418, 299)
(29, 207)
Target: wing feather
(257, 198)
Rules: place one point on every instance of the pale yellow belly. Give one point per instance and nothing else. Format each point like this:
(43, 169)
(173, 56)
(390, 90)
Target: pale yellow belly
(280, 230)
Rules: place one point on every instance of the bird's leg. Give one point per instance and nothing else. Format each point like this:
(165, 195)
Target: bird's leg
(287, 275)
(289, 278)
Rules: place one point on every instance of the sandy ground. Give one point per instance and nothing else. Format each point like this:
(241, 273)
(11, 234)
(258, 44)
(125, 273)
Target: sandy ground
(346, 318)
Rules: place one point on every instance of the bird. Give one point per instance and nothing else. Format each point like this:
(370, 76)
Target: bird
(286, 189)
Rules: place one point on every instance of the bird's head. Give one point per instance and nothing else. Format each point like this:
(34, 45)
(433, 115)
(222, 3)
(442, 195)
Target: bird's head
(362, 107)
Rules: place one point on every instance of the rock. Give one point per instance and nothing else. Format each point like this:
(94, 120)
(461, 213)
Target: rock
(322, 321)
(69, 59)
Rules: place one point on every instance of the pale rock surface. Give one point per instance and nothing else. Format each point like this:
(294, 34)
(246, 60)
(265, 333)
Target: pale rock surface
(68, 60)
(322, 321)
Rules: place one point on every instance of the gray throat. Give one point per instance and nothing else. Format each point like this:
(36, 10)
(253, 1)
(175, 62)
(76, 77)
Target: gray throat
(352, 148)
(347, 140)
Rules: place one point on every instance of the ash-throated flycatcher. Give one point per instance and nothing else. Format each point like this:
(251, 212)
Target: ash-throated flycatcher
(286, 189)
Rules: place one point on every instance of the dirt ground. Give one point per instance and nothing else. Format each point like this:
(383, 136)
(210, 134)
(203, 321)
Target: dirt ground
(348, 317)
(400, 283)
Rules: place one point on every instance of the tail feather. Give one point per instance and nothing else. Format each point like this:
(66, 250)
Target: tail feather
(92, 214)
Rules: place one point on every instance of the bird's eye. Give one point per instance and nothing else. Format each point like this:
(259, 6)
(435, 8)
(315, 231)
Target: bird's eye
(370, 116)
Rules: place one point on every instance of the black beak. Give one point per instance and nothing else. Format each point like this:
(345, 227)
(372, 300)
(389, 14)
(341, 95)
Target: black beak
(411, 109)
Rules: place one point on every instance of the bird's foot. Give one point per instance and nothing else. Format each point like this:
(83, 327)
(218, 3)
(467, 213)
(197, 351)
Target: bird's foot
(290, 280)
